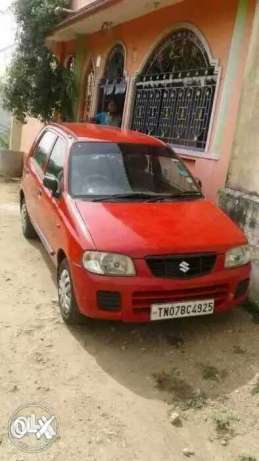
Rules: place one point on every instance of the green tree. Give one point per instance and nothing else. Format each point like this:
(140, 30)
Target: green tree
(4, 140)
(36, 84)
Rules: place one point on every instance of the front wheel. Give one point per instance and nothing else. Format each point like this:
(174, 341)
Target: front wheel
(67, 302)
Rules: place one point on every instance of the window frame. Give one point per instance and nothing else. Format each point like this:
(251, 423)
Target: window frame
(104, 83)
(90, 70)
(188, 151)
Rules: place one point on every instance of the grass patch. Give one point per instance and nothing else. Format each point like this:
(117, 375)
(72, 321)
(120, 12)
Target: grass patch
(211, 373)
(172, 382)
(198, 401)
(224, 425)
(182, 393)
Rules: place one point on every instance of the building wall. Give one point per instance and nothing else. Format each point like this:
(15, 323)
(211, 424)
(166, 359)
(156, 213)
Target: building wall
(29, 132)
(244, 166)
(226, 27)
(241, 197)
(76, 4)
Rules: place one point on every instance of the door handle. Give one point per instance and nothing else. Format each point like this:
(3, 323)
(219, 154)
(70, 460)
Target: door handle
(39, 192)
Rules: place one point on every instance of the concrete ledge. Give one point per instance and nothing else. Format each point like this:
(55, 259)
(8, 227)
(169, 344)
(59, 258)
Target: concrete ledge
(244, 210)
(11, 163)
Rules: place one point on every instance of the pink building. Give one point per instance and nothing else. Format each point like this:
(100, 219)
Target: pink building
(175, 68)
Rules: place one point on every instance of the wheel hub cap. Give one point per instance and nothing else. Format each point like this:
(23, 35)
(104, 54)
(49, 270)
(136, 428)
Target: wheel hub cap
(65, 291)
(24, 216)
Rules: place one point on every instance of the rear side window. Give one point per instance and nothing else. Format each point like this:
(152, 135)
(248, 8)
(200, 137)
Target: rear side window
(44, 148)
(57, 159)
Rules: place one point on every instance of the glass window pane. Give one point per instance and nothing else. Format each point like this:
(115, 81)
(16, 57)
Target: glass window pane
(43, 149)
(99, 169)
(57, 159)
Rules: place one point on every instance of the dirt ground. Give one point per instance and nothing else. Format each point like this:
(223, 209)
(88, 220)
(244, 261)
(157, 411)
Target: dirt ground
(113, 387)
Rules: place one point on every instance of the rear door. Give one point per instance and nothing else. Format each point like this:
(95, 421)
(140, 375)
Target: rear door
(52, 208)
(34, 174)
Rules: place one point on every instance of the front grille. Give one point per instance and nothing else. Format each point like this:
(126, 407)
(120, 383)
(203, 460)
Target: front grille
(142, 300)
(109, 300)
(181, 266)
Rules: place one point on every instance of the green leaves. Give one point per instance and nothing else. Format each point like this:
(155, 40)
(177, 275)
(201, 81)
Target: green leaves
(36, 84)
(4, 141)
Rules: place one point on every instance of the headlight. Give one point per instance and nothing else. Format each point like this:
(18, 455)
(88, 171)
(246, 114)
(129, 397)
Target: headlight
(108, 264)
(238, 256)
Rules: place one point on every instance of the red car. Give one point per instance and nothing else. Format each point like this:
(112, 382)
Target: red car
(128, 228)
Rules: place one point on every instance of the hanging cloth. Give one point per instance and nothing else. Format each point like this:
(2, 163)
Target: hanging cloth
(120, 87)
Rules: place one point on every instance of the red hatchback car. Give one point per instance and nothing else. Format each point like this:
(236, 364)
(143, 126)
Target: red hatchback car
(128, 228)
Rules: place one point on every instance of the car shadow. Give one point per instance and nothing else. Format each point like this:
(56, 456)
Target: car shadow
(173, 360)
(176, 360)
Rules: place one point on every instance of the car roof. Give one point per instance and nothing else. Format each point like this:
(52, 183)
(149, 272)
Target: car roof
(91, 132)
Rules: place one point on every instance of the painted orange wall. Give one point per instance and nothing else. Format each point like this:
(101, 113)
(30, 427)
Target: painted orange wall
(216, 23)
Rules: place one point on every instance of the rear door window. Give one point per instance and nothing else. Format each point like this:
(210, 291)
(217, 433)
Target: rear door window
(43, 149)
(56, 161)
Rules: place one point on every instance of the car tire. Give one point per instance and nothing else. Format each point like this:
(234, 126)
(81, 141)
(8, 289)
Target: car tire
(27, 227)
(67, 302)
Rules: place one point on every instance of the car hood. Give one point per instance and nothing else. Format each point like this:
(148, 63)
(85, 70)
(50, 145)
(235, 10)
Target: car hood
(140, 229)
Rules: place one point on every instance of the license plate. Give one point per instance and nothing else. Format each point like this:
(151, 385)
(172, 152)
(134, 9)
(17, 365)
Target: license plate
(181, 310)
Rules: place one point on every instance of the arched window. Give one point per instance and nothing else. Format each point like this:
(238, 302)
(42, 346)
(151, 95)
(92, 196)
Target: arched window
(175, 92)
(88, 92)
(114, 69)
(113, 84)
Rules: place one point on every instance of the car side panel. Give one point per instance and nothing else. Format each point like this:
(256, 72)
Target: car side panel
(32, 188)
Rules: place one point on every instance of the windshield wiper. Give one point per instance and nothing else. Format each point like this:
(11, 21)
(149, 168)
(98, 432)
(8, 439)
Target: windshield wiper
(187, 194)
(131, 196)
(146, 196)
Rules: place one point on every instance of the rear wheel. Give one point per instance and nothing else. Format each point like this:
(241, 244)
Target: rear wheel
(67, 302)
(27, 227)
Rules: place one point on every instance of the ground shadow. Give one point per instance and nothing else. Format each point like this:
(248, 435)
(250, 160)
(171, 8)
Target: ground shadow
(177, 359)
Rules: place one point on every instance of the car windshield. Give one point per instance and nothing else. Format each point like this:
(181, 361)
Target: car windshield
(110, 171)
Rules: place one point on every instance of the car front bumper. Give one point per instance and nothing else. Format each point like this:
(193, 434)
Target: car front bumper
(129, 299)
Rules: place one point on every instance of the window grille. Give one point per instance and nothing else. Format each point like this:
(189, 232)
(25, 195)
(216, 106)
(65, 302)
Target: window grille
(175, 92)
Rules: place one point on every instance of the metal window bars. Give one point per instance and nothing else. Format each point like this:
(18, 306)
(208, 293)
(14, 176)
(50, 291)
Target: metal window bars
(175, 93)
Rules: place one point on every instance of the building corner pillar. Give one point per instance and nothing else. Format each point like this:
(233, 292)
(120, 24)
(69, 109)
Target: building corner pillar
(240, 198)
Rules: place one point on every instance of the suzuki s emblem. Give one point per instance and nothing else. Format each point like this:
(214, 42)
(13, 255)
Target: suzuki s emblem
(184, 267)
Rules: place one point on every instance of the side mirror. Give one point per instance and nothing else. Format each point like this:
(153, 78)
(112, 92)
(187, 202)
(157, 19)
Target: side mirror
(51, 183)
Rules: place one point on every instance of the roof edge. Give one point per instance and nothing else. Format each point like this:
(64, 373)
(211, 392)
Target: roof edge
(82, 13)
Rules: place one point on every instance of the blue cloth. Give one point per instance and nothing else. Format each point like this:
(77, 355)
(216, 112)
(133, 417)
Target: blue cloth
(103, 118)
